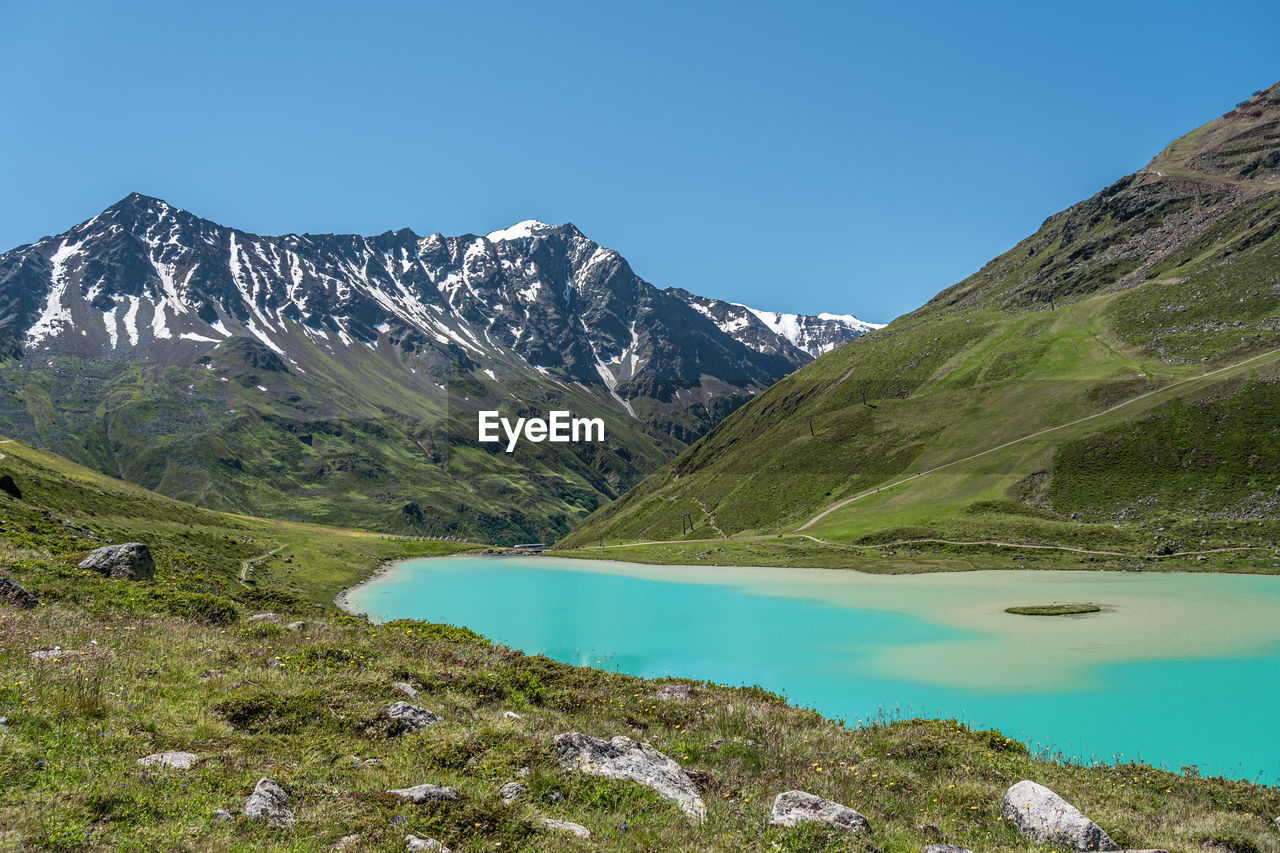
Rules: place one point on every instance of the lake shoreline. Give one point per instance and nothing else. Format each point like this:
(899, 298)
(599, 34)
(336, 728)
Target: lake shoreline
(342, 600)
(938, 643)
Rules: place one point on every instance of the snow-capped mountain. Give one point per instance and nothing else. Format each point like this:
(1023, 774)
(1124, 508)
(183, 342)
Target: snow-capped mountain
(421, 331)
(147, 280)
(764, 331)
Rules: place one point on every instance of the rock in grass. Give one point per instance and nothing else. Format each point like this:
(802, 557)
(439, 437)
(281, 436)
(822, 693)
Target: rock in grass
(511, 792)
(222, 816)
(565, 826)
(296, 626)
(624, 758)
(796, 807)
(420, 794)
(346, 842)
(674, 693)
(945, 848)
(176, 760)
(269, 803)
(407, 689)
(15, 596)
(1043, 816)
(130, 561)
(263, 617)
(413, 842)
(53, 654)
(410, 717)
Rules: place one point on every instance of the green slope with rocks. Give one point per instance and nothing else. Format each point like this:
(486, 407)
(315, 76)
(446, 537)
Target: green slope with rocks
(106, 671)
(1106, 383)
(361, 441)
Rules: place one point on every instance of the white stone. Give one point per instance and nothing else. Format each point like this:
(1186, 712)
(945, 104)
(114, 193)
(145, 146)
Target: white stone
(426, 793)
(796, 807)
(411, 717)
(1043, 816)
(176, 760)
(269, 803)
(565, 826)
(624, 758)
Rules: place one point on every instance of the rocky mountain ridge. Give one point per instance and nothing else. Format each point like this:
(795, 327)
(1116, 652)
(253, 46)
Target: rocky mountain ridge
(338, 378)
(146, 279)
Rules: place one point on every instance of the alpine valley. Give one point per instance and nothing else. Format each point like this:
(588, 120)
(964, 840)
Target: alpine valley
(336, 378)
(1107, 389)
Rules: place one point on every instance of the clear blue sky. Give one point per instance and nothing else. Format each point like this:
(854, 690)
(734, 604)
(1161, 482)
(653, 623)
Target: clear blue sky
(850, 157)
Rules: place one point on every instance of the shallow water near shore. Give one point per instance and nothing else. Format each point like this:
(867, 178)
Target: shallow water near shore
(1178, 669)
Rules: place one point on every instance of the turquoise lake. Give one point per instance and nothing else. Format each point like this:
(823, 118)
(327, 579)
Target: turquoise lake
(1178, 669)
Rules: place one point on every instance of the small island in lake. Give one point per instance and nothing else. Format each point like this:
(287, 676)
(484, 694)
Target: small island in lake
(1053, 609)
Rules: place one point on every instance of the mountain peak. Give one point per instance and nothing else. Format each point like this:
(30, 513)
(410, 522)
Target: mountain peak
(520, 231)
(1242, 145)
(136, 200)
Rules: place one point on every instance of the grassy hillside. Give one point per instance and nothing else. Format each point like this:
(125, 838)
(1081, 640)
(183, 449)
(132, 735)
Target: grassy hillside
(66, 510)
(1158, 296)
(240, 433)
(174, 664)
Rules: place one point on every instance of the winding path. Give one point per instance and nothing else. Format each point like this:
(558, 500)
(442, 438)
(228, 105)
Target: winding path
(246, 565)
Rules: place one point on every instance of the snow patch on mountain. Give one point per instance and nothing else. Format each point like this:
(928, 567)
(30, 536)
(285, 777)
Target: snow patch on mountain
(811, 332)
(533, 296)
(56, 315)
(519, 231)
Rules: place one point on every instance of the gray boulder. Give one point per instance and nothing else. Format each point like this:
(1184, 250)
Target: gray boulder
(796, 807)
(130, 561)
(269, 803)
(15, 596)
(176, 760)
(407, 689)
(511, 792)
(222, 816)
(945, 848)
(53, 654)
(263, 617)
(296, 626)
(1043, 816)
(410, 717)
(674, 693)
(624, 758)
(413, 842)
(565, 826)
(420, 794)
